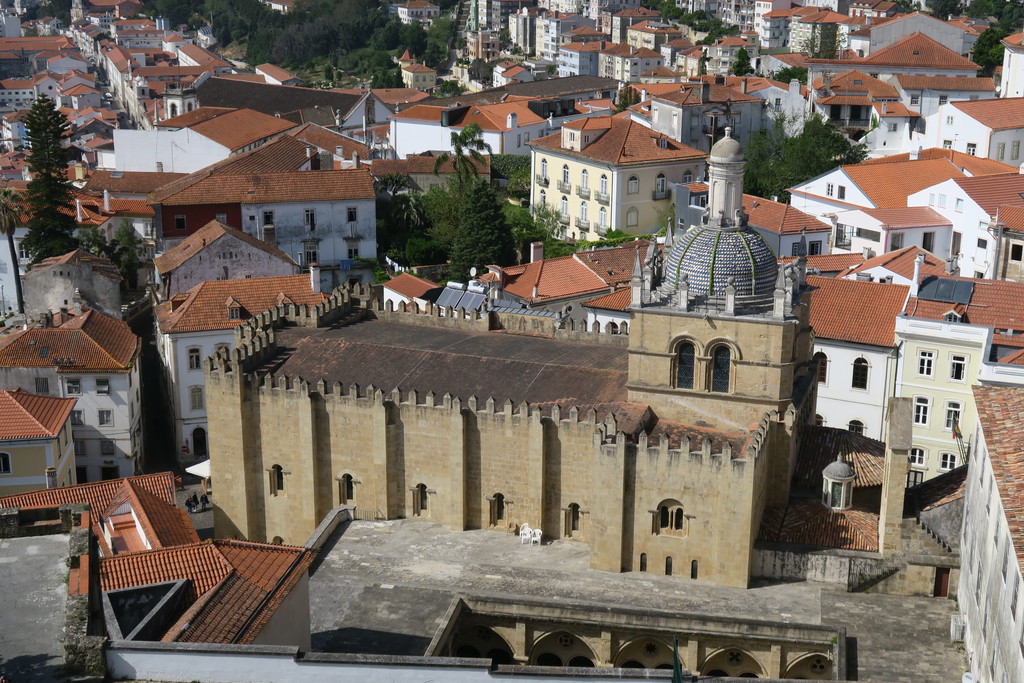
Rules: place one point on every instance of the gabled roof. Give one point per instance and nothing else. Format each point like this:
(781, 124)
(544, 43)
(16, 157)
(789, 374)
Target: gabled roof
(204, 237)
(1001, 415)
(805, 521)
(416, 164)
(234, 586)
(889, 185)
(286, 101)
(409, 285)
(918, 50)
(588, 272)
(268, 188)
(783, 219)
(993, 303)
(203, 308)
(914, 82)
(276, 72)
(328, 140)
(970, 164)
(834, 302)
(1000, 113)
(857, 81)
(30, 416)
(128, 182)
(900, 262)
(233, 128)
(100, 265)
(990, 192)
(87, 342)
(624, 142)
(619, 300)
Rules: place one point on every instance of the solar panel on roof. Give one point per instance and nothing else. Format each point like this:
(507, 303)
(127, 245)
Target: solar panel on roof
(449, 297)
(471, 301)
(946, 290)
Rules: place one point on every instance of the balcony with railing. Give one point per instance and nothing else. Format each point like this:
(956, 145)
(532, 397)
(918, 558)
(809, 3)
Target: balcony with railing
(657, 195)
(542, 180)
(583, 224)
(603, 197)
(563, 219)
(583, 192)
(564, 187)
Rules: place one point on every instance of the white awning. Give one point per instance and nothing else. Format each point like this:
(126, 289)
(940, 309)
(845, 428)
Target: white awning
(200, 469)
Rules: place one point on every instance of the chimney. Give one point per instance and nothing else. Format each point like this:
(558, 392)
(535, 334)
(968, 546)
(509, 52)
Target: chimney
(643, 95)
(270, 235)
(159, 167)
(916, 284)
(1021, 170)
(898, 434)
(794, 87)
(951, 265)
(705, 92)
(915, 154)
(512, 121)
(743, 85)
(867, 253)
(865, 277)
(885, 107)
(51, 477)
(79, 216)
(314, 277)
(106, 200)
(536, 252)
(355, 160)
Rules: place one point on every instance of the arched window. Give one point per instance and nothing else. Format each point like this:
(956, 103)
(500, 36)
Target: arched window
(822, 367)
(347, 489)
(584, 217)
(584, 179)
(543, 197)
(668, 566)
(604, 184)
(659, 183)
(174, 110)
(677, 519)
(663, 516)
(419, 499)
(602, 217)
(574, 517)
(856, 426)
(565, 174)
(721, 361)
(544, 169)
(565, 208)
(688, 177)
(670, 519)
(684, 365)
(633, 185)
(276, 480)
(497, 502)
(860, 374)
(632, 217)
(643, 562)
(693, 569)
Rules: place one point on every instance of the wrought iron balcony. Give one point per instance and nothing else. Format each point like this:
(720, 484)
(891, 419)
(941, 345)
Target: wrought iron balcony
(583, 224)
(564, 220)
(583, 192)
(564, 187)
(659, 194)
(543, 180)
(603, 198)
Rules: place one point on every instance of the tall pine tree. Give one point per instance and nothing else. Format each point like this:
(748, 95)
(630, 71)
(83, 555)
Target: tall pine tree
(484, 237)
(48, 199)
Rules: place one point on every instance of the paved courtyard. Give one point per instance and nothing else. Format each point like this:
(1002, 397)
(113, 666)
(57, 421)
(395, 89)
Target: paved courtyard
(384, 587)
(32, 607)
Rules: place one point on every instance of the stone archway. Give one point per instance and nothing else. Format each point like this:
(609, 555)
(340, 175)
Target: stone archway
(732, 661)
(813, 667)
(565, 648)
(482, 641)
(645, 653)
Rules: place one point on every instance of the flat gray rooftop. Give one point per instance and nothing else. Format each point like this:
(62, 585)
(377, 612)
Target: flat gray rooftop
(384, 587)
(35, 588)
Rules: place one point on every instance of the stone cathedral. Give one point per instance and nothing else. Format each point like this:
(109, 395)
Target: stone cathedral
(660, 445)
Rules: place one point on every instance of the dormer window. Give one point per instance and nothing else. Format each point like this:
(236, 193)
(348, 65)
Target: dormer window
(234, 313)
(951, 317)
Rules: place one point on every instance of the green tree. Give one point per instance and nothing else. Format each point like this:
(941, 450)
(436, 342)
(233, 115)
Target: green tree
(391, 183)
(467, 155)
(824, 41)
(10, 218)
(48, 199)
(441, 209)
(450, 88)
(483, 237)
(628, 96)
(791, 72)
(944, 9)
(988, 49)
(386, 78)
(742, 66)
(128, 253)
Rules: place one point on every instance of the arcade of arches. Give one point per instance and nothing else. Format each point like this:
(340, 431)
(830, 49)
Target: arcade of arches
(546, 635)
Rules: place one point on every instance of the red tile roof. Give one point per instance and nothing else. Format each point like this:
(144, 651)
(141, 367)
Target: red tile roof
(416, 164)
(975, 166)
(900, 262)
(1001, 414)
(619, 300)
(409, 285)
(588, 272)
(820, 446)
(889, 185)
(276, 72)
(204, 306)
(128, 182)
(991, 192)
(233, 128)
(834, 298)
(908, 217)
(918, 50)
(915, 82)
(938, 491)
(205, 236)
(994, 303)
(625, 142)
(1002, 113)
(88, 342)
(29, 416)
(806, 521)
(783, 219)
(100, 265)
(267, 188)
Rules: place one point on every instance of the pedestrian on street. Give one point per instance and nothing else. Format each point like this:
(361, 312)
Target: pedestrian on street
(204, 501)
(188, 506)
(195, 501)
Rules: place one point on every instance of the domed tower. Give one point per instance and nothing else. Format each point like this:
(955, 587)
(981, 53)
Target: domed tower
(722, 336)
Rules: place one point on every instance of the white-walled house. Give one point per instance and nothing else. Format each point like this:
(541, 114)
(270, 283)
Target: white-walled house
(406, 288)
(925, 94)
(609, 312)
(992, 129)
(883, 230)
(507, 128)
(1012, 84)
(93, 358)
(9, 271)
(194, 325)
(856, 354)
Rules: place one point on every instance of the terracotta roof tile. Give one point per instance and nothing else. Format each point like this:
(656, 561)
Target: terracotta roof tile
(936, 492)
(973, 165)
(783, 219)
(205, 236)
(889, 185)
(619, 300)
(994, 303)
(915, 82)
(908, 217)
(918, 50)
(30, 416)
(233, 128)
(275, 72)
(203, 307)
(91, 341)
(329, 141)
(99, 264)
(900, 262)
(625, 142)
(991, 192)
(1001, 414)
(834, 298)
(820, 446)
(409, 285)
(805, 521)
(267, 188)
(833, 263)
(416, 164)
(1000, 113)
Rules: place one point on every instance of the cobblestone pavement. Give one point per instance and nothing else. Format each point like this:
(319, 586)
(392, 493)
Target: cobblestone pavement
(202, 521)
(383, 587)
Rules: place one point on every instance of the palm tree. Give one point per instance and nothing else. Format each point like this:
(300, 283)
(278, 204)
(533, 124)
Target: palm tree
(467, 153)
(10, 217)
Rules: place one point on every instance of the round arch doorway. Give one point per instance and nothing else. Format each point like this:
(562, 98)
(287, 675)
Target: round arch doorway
(199, 443)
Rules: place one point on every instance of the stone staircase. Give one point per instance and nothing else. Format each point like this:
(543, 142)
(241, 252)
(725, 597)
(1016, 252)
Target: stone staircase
(882, 571)
(918, 539)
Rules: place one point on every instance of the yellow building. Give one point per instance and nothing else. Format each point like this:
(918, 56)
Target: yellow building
(608, 173)
(419, 76)
(36, 448)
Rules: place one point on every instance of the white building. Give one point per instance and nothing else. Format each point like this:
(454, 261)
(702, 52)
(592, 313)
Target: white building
(879, 231)
(507, 128)
(925, 94)
(992, 541)
(991, 128)
(93, 358)
(1012, 84)
(197, 324)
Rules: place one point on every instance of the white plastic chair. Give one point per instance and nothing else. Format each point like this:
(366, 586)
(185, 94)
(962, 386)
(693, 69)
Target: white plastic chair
(525, 534)
(537, 535)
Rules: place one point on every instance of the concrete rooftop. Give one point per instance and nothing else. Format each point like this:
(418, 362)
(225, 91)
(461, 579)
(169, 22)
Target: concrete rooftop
(384, 587)
(32, 607)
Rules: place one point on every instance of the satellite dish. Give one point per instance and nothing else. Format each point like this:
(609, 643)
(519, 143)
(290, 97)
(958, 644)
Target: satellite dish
(472, 271)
